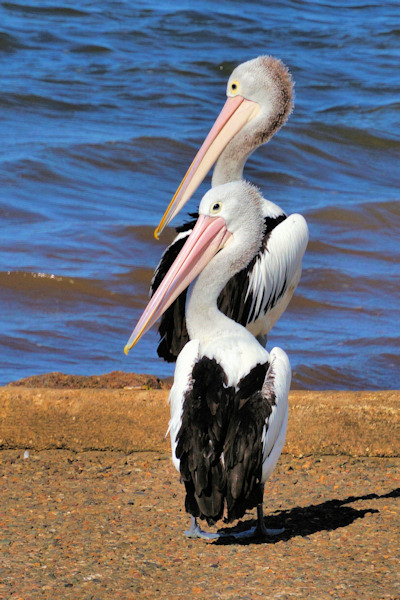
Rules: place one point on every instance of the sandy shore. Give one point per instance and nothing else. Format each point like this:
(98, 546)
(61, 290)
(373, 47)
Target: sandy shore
(133, 418)
(95, 510)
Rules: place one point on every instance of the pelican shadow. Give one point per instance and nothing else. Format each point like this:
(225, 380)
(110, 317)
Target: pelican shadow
(306, 520)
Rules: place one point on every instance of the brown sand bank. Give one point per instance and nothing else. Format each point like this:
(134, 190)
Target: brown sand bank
(100, 525)
(133, 416)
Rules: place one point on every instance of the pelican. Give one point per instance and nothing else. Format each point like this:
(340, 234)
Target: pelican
(229, 400)
(259, 101)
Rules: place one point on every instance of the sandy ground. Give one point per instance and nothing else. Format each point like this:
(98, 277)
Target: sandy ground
(104, 524)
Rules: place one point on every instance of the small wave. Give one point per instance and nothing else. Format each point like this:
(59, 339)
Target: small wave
(62, 11)
(90, 49)
(371, 342)
(302, 305)
(372, 216)
(394, 106)
(395, 32)
(194, 22)
(325, 377)
(145, 235)
(13, 215)
(108, 155)
(137, 157)
(48, 37)
(324, 280)
(351, 135)
(129, 289)
(316, 151)
(138, 279)
(320, 248)
(49, 286)
(9, 43)
(36, 101)
(387, 359)
(35, 170)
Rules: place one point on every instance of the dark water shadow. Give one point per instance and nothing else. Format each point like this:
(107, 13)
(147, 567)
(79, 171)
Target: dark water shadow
(306, 520)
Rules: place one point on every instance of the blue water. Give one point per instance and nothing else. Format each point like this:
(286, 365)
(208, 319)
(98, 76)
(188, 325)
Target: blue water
(102, 108)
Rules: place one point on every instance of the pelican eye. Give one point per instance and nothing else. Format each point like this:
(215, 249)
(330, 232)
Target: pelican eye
(216, 208)
(234, 87)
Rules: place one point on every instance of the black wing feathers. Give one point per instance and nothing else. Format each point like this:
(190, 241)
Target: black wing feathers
(243, 448)
(220, 442)
(200, 440)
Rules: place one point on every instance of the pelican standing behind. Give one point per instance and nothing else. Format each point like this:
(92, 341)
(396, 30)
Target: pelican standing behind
(229, 400)
(259, 101)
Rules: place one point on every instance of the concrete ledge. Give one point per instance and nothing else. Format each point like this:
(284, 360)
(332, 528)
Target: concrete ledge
(348, 423)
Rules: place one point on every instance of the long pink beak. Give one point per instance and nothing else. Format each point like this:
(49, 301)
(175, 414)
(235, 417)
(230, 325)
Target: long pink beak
(236, 112)
(208, 236)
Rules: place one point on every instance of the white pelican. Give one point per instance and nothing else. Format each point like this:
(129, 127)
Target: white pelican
(229, 400)
(260, 98)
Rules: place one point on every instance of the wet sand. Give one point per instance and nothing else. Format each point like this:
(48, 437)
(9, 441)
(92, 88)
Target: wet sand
(94, 509)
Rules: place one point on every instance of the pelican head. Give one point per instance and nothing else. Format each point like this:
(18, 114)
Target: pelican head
(259, 101)
(230, 220)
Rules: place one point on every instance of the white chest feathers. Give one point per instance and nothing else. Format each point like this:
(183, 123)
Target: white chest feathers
(236, 355)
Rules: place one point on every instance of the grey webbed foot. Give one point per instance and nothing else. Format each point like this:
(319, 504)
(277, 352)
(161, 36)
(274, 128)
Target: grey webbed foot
(260, 530)
(195, 532)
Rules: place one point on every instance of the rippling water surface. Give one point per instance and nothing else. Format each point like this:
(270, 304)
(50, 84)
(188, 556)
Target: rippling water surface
(102, 107)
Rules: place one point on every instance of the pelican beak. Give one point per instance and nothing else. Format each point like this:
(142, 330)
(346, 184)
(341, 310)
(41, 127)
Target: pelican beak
(208, 236)
(236, 112)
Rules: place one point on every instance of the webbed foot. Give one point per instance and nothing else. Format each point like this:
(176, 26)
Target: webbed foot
(195, 532)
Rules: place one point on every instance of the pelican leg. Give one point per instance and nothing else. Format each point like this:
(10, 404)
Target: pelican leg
(262, 339)
(258, 531)
(261, 530)
(195, 532)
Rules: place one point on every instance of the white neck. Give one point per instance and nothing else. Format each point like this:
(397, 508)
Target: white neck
(231, 344)
(204, 320)
(230, 164)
